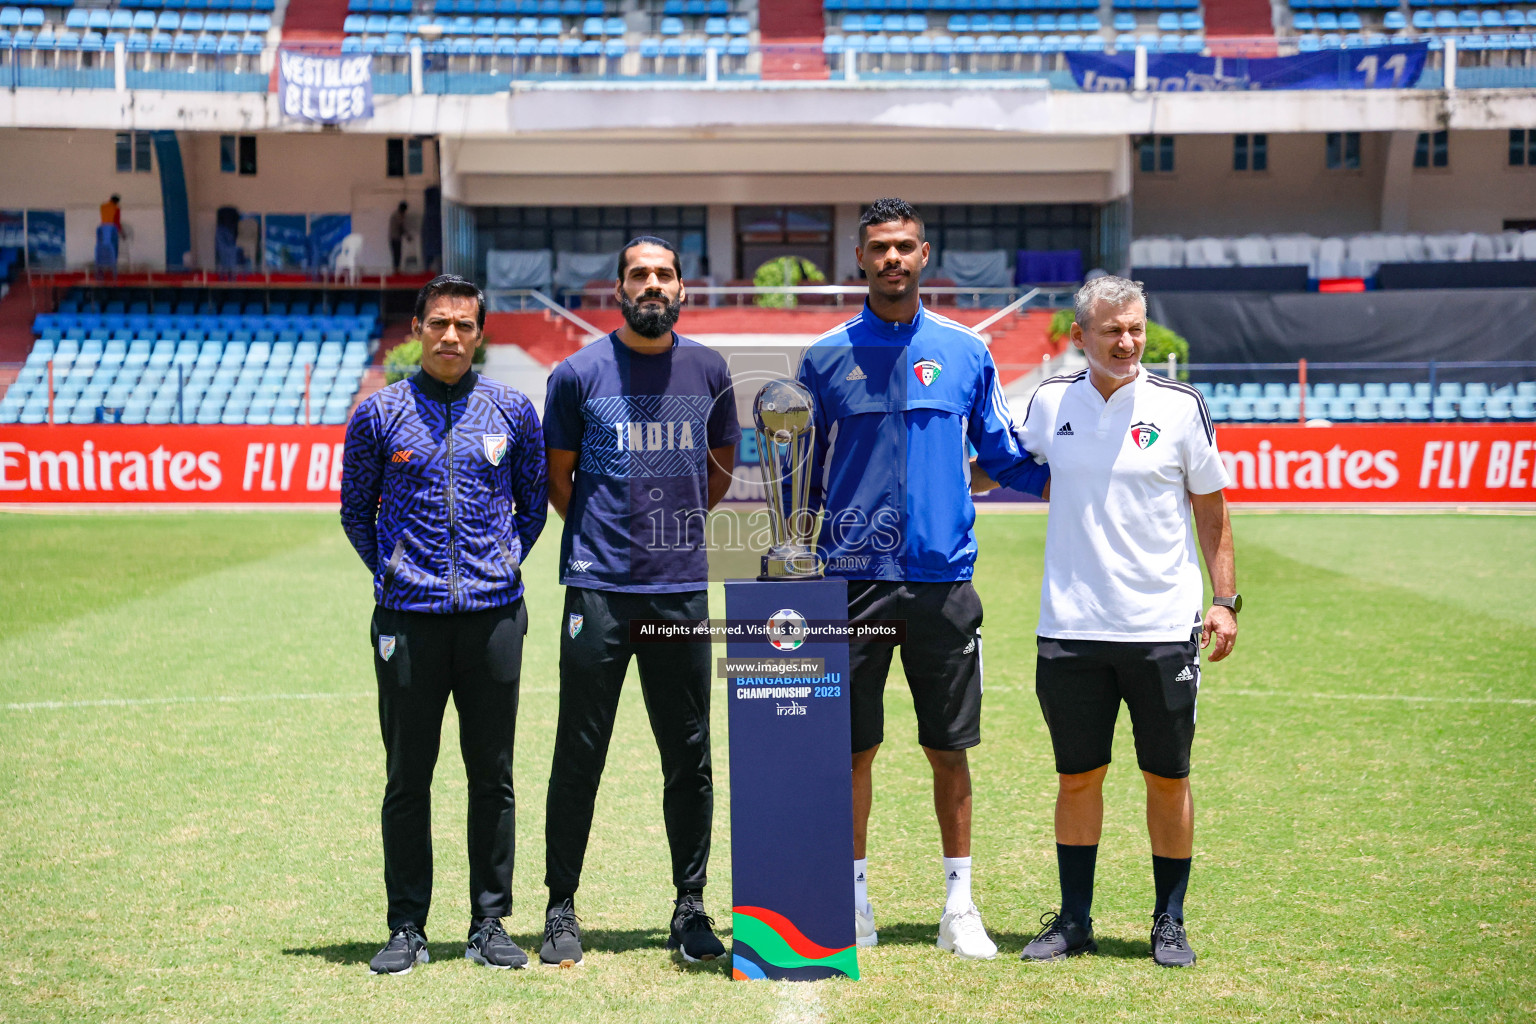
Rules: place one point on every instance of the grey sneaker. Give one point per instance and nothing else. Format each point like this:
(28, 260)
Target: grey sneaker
(1170, 946)
(562, 936)
(406, 948)
(1059, 938)
(489, 944)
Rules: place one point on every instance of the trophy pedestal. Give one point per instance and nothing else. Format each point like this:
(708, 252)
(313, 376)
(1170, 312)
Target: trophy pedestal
(791, 788)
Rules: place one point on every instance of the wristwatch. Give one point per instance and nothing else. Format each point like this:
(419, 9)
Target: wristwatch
(1235, 602)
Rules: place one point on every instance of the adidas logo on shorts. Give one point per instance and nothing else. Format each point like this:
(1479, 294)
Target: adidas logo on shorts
(1065, 430)
(970, 648)
(1185, 675)
(856, 374)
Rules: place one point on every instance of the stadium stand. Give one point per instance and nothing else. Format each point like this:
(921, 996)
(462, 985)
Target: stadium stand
(250, 363)
(1353, 256)
(1371, 402)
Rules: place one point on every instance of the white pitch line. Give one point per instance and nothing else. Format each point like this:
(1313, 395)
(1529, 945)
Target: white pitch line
(798, 1004)
(1407, 698)
(135, 702)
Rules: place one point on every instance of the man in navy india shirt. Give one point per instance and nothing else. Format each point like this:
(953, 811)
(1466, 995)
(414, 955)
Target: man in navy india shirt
(641, 433)
(899, 394)
(443, 495)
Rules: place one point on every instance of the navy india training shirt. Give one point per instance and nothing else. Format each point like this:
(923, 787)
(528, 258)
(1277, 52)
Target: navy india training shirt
(643, 426)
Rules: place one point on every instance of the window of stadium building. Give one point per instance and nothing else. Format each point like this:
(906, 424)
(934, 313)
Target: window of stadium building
(1522, 147)
(1036, 227)
(133, 152)
(1432, 149)
(1342, 151)
(1155, 154)
(1250, 152)
(588, 229)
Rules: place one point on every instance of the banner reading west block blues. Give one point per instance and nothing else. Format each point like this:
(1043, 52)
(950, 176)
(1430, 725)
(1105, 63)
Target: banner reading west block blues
(325, 89)
(1368, 67)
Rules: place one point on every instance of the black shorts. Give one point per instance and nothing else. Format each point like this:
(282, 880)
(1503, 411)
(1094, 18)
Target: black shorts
(941, 656)
(1081, 683)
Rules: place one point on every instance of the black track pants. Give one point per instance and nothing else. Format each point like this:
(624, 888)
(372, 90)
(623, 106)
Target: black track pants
(476, 657)
(674, 680)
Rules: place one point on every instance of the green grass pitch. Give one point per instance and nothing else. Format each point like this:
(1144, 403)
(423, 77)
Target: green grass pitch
(190, 773)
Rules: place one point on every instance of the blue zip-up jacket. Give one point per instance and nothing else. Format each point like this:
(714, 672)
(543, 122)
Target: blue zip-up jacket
(895, 405)
(460, 471)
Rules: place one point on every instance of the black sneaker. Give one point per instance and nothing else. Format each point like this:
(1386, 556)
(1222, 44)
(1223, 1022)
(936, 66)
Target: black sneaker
(490, 944)
(406, 948)
(1170, 946)
(693, 931)
(562, 936)
(1059, 938)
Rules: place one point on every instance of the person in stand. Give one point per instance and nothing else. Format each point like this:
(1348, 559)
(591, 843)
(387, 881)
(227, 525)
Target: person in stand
(898, 392)
(397, 229)
(1134, 465)
(641, 433)
(443, 494)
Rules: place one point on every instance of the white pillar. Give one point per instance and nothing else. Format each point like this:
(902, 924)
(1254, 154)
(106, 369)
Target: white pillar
(1450, 64)
(415, 67)
(1140, 84)
(120, 61)
(711, 65)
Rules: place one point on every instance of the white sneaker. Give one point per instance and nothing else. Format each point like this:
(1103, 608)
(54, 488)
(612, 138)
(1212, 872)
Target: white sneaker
(864, 925)
(961, 933)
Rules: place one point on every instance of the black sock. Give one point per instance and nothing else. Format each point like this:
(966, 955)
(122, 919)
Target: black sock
(557, 898)
(697, 894)
(1075, 866)
(1171, 876)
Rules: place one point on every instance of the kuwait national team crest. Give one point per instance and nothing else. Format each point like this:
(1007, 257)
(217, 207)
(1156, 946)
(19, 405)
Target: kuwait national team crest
(573, 626)
(1144, 434)
(495, 447)
(386, 647)
(927, 370)
(787, 629)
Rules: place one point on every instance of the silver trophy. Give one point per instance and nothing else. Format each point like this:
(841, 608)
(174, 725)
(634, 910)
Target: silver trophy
(785, 435)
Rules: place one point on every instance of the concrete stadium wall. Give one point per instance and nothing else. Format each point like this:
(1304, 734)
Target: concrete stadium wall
(1205, 196)
(76, 170)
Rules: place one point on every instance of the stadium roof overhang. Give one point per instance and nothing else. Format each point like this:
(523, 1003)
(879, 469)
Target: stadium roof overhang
(1004, 107)
(748, 167)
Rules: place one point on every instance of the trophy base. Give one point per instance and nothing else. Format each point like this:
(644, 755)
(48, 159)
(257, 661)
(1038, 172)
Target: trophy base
(791, 564)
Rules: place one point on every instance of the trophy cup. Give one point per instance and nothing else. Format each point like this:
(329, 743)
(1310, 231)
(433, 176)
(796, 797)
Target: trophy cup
(785, 435)
(788, 695)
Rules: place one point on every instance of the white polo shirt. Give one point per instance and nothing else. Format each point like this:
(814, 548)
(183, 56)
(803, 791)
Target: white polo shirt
(1121, 561)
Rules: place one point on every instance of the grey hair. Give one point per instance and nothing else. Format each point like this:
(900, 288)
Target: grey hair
(1117, 291)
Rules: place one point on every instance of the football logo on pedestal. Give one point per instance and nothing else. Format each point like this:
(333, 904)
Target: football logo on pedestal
(787, 629)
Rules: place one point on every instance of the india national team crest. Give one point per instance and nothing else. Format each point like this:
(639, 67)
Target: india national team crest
(927, 371)
(574, 625)
(495, 447)
(386, 647)
(787, 629)
(1144, 434)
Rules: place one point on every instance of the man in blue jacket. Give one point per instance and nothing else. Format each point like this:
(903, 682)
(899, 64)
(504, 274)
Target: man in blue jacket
(899, 391)
(443, 494)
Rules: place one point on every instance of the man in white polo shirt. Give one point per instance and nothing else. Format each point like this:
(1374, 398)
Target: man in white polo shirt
(1133, 456)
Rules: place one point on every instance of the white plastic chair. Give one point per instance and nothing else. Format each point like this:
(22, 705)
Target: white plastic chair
(1255, 251)
(346, 255)
(1330, 258)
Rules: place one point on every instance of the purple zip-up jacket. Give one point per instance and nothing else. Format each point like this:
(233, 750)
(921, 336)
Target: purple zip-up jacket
(460, 471)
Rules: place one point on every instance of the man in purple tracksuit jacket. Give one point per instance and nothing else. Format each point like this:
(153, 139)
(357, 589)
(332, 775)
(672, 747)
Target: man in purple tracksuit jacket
(443, 493)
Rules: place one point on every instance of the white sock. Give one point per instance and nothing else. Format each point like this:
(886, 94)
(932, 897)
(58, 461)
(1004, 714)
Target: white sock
(861, 883)
(957, 884)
